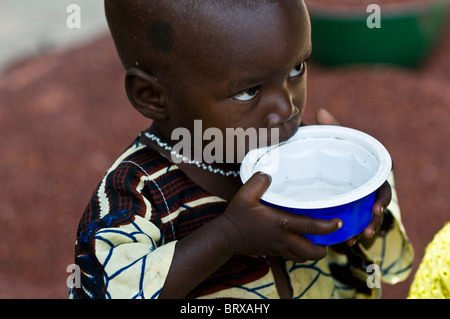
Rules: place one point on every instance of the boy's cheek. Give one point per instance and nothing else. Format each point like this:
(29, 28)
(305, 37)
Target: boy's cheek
(299, 98)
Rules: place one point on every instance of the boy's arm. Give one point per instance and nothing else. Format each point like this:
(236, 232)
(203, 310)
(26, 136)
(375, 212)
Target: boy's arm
(122, 254)
(247, 227)
(196, 257)
(120, 251)
(125, 260)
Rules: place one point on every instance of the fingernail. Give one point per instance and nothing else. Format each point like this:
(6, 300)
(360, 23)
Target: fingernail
(382, 210)
(268, 175)
(340, 224)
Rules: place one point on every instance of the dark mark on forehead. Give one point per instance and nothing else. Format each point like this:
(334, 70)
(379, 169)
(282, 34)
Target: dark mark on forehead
(160, 36)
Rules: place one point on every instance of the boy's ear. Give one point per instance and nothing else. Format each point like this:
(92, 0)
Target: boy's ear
(145, 93)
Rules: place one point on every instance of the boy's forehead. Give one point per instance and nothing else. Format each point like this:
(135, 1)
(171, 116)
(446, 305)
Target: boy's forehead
(173, 38)
(238, 35)
(190, 20)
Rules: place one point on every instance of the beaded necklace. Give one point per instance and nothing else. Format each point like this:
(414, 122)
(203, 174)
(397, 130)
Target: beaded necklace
(186, 160)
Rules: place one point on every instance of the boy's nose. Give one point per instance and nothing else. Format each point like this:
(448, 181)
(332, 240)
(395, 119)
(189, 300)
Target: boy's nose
(281, 108)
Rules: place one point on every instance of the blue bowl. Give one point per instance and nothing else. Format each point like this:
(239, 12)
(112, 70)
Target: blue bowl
(323, 172)
(356, 216)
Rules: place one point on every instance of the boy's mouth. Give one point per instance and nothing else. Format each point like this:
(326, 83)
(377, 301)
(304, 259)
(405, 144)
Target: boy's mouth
(288, 127)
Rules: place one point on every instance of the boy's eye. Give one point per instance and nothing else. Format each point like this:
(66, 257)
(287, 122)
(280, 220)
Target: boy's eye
(298, 70)
(247, 94)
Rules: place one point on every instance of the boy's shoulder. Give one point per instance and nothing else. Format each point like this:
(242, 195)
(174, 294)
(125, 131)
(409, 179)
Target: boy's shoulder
(142, 180)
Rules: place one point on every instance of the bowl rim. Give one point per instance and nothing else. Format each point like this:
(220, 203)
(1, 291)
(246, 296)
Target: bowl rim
(323, 131)
(392, 10)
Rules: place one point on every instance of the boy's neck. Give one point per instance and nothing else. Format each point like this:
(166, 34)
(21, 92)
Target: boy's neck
(214, 183)
(222, 186)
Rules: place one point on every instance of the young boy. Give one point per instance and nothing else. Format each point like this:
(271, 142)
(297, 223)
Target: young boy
(155, 229)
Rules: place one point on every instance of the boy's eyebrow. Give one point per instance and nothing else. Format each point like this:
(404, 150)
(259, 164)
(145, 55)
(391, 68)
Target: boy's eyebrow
(247, 83)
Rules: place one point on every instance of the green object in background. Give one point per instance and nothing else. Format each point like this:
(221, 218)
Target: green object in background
(405, 36)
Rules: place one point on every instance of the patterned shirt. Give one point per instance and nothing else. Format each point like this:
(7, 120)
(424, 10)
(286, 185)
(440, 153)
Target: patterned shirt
(145, 204)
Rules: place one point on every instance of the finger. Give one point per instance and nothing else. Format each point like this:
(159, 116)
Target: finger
(257, 185)
(376, 222)
(302, 249)
(353, 240)
(383, 197)
(310, 226)
(323, 117)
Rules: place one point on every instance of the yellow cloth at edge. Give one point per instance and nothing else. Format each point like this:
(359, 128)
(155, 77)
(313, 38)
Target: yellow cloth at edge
(432, 279)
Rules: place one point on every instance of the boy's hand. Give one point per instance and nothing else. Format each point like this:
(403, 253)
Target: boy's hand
(382, 200)
(323, 117)
(382, 196)
(252, 228)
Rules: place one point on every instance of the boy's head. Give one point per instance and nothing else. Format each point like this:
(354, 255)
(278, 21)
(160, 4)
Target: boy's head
(230, 63)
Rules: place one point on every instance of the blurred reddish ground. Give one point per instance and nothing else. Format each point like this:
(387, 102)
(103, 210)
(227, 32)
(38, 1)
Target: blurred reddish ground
(64, 118)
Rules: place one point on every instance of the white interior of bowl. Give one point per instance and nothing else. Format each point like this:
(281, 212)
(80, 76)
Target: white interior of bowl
(320, 166)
